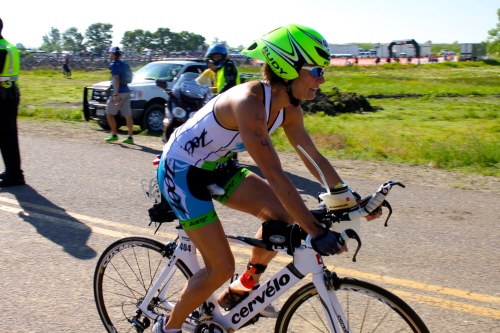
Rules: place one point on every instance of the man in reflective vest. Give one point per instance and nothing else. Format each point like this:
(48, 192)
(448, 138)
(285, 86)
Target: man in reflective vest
(9, 103)
(227, 72)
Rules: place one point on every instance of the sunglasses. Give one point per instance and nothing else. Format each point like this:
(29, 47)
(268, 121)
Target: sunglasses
(315, 71)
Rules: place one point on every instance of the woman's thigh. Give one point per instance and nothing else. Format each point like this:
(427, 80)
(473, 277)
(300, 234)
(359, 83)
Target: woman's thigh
(254, 196)
(219, 256)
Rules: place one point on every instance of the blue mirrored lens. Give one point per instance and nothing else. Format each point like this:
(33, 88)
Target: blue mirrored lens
(317, 71)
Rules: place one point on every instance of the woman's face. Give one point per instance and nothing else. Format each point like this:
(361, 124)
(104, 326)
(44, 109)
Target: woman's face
(305, 86)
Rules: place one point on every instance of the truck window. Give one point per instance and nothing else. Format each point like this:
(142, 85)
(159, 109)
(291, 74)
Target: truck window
(194, 69)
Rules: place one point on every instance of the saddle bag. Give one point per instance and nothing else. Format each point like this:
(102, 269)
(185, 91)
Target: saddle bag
(161, 212)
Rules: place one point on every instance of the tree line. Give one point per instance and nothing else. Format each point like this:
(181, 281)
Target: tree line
(98, 38)
(493, 41)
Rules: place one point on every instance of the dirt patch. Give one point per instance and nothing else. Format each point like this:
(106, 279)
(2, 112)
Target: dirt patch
(90, 132)
(334, 103)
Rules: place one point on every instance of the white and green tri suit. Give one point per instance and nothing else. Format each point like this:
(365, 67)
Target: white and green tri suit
(199, 154)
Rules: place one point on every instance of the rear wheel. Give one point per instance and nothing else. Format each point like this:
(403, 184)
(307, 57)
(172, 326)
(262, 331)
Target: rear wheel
(367, 307)
(125, 272)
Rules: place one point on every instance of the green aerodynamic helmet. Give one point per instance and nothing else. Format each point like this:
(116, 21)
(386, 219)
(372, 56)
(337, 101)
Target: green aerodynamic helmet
(288, 48)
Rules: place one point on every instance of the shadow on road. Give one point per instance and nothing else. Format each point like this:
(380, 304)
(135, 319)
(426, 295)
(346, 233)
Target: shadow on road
(142, 148)
(55, 224)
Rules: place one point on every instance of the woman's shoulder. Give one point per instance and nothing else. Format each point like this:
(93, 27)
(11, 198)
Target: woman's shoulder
(247, 90)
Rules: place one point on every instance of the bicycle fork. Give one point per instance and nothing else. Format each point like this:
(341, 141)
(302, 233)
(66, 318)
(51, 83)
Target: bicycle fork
(324, 283)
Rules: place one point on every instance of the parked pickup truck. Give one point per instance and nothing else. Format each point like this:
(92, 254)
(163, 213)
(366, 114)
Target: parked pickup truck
(146, 99)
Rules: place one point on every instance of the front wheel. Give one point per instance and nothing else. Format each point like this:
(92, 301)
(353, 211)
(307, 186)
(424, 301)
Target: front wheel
(125, 272)
(153, 118)
(367, 307)
(103, 125)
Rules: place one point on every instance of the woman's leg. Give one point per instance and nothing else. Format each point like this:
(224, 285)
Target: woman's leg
(219, 267)
(254, 196)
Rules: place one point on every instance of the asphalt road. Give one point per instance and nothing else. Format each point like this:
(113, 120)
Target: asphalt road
(440, 252)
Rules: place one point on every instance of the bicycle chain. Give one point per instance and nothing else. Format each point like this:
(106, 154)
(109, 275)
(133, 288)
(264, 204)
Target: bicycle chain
(209, 326)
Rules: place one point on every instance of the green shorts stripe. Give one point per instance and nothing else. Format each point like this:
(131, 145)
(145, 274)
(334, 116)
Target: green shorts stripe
(232, 184)
(200, 221)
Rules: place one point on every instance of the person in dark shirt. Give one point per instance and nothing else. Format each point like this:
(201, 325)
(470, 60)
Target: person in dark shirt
(65, 69)
(9, 103)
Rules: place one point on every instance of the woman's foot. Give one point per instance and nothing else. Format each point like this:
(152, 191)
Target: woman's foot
(159, 326)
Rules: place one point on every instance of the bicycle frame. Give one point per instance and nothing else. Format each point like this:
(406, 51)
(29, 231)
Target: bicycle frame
(305, 260)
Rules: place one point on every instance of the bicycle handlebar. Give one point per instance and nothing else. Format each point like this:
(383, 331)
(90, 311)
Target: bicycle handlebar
(365, 207)
(376, 200)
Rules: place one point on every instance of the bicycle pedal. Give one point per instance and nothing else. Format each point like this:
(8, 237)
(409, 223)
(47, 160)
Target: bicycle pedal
(140, 327)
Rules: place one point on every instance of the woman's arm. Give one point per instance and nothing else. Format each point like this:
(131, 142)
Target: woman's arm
(297, 135)
(252, 123)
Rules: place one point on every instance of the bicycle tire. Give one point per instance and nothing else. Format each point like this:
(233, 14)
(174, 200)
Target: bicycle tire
(367, 307)
(124, 274)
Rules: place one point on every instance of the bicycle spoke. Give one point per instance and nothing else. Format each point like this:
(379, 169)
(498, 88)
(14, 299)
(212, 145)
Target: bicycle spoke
(365, 313)
(125, 284)
(320, 316)
(133, 271)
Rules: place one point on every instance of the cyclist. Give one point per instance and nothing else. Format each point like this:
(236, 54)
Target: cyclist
(199, 154)
(225, 69)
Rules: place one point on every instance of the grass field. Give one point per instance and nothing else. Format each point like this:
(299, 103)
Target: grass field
(450, 120)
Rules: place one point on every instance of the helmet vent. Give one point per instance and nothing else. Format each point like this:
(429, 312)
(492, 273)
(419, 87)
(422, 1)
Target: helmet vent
(252, 47)
(322, 53)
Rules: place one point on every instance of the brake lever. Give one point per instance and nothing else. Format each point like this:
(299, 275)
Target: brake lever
(393, 183)
(388, 206)
(386, 203)
(350, 233)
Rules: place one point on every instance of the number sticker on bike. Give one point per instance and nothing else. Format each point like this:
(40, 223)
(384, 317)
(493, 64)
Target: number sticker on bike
(188, 248)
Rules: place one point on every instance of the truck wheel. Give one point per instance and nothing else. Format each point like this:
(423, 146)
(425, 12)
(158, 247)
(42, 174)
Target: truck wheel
(153, 118)
(104, 126)
(119, 123)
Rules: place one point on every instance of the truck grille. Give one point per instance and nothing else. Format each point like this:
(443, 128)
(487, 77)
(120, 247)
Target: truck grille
(100, 95)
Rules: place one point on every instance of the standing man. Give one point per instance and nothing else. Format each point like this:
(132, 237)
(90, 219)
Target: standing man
(66, 71)
(9, 103)
(120, 98)
(227, 73)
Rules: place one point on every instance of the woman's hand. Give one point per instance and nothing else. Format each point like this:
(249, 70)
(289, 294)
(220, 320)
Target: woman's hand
(375, 215)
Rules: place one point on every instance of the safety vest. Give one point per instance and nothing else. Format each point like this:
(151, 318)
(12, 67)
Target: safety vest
(10, 70)
(221, 78)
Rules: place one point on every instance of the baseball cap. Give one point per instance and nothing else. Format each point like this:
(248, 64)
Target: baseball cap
(114, 49)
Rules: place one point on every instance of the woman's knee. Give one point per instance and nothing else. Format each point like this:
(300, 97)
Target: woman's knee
(222, 271)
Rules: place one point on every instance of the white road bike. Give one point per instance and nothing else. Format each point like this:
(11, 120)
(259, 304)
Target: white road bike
(138, 279)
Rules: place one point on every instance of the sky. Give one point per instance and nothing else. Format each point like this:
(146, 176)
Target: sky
(240, 22)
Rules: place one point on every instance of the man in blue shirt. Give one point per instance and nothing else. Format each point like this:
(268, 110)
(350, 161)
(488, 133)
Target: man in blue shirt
(119, 100)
